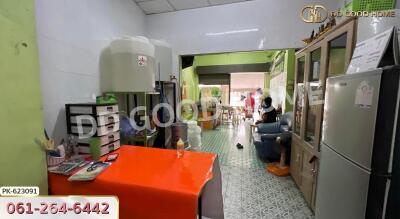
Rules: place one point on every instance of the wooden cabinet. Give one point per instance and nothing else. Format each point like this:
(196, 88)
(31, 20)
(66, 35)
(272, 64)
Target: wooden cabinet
(327, 56)
(296, 161)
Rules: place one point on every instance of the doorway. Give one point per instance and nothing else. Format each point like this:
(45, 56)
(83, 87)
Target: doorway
(229, 78)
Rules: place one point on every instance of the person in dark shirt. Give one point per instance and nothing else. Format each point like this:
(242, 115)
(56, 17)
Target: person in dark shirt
(268, 112)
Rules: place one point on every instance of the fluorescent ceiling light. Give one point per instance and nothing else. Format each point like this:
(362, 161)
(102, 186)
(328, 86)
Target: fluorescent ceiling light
(233, 32)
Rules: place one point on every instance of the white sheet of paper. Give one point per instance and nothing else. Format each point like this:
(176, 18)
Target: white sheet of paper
(368, 53)
(364, 94)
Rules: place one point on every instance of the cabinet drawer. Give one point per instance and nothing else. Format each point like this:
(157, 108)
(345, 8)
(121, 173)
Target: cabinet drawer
(106, 139)
(107, 129)
(100, 131)
(105, 149)
(101, 120)
(94, 110)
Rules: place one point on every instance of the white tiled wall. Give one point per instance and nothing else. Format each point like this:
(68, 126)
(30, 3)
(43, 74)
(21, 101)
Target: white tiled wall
(265, 24)
(71, 37)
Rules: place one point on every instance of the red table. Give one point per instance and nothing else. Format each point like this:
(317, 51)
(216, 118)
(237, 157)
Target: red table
(153, 183)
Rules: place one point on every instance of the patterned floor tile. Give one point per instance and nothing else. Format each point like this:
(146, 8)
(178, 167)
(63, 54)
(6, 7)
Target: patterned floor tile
(248, 190)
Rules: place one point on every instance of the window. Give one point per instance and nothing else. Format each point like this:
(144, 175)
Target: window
(300, 95)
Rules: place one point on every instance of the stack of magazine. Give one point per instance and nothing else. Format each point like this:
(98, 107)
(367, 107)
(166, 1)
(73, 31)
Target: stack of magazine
(67, 167)
(89, 172)
(80, 169)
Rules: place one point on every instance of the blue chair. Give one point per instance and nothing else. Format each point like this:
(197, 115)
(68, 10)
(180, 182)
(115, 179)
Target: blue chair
(269, 134)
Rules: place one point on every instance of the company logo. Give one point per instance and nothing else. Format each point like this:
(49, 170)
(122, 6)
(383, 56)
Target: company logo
(388, 13)
(314, 14)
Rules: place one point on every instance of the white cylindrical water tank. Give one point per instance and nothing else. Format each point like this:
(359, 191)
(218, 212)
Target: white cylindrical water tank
(163, 56)
(132, 65)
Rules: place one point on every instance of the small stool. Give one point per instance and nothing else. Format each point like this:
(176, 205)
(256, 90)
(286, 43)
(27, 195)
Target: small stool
(279, 168)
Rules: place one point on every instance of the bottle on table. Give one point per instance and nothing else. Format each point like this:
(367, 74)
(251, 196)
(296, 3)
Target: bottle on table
(180, 148)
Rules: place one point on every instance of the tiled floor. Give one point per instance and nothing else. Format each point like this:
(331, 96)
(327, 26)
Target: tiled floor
(248, 190)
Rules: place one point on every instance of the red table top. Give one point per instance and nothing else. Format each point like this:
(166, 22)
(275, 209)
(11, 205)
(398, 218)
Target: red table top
(150, 183)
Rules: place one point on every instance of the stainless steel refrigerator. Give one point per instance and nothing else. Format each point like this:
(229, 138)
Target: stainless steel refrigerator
(360, 153)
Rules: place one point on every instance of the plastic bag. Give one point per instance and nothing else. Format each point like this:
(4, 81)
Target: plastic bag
(194, 135)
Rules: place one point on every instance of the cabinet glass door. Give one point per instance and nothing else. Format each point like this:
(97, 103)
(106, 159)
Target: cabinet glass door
(299, 95)
(314, 94)
(337, 55)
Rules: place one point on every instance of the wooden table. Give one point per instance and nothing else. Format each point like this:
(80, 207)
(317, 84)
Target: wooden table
(154, 183)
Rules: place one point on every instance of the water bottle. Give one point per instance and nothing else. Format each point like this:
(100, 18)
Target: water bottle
(180, 148)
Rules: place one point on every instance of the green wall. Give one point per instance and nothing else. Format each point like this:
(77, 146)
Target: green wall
(191, 78)
(234, 58)
(288, 69)
(267, 81)
(192, 83)
(22, 162)
(290, 60)
(377, 5)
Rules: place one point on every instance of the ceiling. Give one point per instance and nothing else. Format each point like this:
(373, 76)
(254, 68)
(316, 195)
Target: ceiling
(162, 6)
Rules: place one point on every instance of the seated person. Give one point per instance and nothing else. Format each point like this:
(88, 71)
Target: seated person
(268, 112)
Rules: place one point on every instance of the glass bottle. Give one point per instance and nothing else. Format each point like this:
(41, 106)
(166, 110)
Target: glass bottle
(180, 148)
